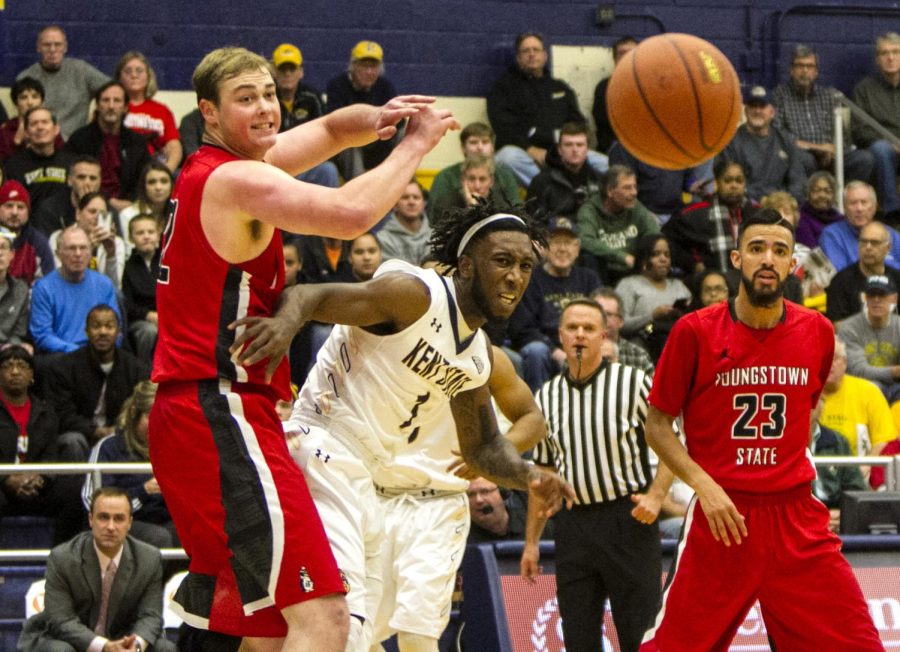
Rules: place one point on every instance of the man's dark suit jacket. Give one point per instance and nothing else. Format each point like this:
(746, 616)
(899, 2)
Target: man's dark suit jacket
(73, 589)
(133, 154)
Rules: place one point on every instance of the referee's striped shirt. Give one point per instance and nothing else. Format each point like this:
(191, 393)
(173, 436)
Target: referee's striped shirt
(596, 432)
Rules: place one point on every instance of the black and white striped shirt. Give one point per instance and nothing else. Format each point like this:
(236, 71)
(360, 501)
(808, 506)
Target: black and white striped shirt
(596, 432)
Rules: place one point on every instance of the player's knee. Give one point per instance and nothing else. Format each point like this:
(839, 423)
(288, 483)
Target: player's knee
(407, 642)
(324, 619)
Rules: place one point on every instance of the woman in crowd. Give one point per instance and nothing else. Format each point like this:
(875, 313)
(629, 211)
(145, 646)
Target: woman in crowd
(152, 522)
(651, 300)
(818, 210)
(707, 288)
(154, 190)
(145, 115)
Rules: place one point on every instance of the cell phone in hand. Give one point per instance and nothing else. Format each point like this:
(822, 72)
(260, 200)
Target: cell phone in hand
(104, 220)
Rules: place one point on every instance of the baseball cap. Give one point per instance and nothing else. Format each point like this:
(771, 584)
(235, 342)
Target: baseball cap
(756, 95)
(366, 50)
(558, 224)
(287, 53)
(880, 285)
(14, 191)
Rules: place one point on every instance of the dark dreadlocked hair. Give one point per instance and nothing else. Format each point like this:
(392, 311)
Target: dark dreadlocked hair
(448, 231)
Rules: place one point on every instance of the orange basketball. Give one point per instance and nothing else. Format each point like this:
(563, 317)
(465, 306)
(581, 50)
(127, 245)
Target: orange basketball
(674, 101)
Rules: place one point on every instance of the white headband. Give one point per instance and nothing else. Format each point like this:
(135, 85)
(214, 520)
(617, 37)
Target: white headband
(475, 228)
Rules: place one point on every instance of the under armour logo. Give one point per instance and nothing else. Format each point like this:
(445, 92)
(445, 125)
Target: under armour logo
(322, 456)
(436, 325)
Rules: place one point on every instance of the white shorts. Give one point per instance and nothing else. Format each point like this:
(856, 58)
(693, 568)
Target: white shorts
(423, 546)
(341, 486)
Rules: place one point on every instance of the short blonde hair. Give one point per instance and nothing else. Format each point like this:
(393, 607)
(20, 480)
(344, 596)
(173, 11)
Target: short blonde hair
(223, 64)
(781, 200)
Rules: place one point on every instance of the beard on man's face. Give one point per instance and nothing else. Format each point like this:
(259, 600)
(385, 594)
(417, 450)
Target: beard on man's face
(762, 298)
(481, 300)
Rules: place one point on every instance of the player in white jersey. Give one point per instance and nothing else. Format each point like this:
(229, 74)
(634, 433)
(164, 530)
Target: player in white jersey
(426, 517)
(412, 342)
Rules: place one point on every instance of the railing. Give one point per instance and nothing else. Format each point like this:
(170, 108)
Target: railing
(859, 114)
(890, 464)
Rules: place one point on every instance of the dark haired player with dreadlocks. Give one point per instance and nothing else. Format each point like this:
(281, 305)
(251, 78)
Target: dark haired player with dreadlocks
(406, 342)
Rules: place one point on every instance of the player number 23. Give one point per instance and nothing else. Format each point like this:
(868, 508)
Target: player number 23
(750, 405)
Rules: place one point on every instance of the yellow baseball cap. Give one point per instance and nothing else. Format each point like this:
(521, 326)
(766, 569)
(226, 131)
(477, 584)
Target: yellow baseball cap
(287, 53)
(366, 50)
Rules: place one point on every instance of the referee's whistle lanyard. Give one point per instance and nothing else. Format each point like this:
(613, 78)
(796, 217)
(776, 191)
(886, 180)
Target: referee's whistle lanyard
(579, 351)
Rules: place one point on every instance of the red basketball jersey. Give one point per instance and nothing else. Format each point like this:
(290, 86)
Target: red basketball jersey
(746, 394)
(198, 293)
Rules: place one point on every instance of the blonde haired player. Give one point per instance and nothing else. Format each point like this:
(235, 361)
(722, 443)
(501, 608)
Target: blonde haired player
(261, 567)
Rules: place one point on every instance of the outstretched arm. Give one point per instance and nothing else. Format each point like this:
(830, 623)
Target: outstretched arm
(725, 521)
(251, 191)
(396, 299)
(305, 146)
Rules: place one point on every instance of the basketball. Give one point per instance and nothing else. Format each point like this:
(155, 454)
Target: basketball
(674, 101)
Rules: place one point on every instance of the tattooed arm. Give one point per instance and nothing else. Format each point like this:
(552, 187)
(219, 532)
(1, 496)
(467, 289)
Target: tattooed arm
(493, 456)
(483, 448)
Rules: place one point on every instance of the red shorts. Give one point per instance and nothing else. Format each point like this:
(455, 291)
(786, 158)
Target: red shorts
(790, 562)
(241, 508)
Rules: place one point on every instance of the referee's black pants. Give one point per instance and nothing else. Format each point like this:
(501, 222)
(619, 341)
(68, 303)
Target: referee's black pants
(601, 551)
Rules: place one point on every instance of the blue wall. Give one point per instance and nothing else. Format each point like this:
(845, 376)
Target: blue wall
(448, 47)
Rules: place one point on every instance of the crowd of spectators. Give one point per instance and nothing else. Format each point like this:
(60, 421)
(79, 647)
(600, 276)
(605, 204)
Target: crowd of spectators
(83, 207)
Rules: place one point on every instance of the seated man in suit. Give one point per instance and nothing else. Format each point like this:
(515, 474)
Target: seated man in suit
(104, 588)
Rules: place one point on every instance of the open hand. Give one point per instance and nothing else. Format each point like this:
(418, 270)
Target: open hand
(460, 469)
(397, 109)
(264, 337)
(725, 522)
(550, 490)
(429, 125)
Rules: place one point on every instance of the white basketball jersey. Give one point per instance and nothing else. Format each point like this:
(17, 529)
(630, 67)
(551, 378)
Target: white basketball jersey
(385, 392)
(424, 463)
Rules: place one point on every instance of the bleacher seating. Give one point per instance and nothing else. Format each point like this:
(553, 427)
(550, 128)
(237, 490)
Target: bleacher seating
(15, 581)
(26, 533)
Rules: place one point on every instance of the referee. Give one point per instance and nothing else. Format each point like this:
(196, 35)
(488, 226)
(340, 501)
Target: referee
(607, 545)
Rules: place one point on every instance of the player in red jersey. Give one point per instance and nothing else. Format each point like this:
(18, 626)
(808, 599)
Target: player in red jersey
(744, 375)
(261, 566)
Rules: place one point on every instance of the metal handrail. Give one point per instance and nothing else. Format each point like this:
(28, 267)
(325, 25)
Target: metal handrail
(76, 468)
(843, 101)
(891, 464)
(39, 555)
(891, 477)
